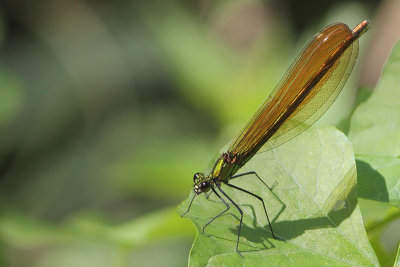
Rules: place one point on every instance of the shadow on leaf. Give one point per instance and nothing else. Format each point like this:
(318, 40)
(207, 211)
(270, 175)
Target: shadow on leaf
(371, 184)
(257, 237)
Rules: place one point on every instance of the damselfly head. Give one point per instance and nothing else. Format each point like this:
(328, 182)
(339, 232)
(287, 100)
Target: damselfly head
(201, 184)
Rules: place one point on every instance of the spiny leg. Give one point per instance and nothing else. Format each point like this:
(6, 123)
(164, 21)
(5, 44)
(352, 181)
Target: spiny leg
(227, 208)
(270, 188)
(189, 205)
(253, 172)
(259, 198)
(241, 216)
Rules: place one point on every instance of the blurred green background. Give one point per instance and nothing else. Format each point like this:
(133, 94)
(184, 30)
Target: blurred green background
(108, 108)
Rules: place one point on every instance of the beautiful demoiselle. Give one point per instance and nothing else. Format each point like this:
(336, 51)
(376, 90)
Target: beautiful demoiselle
(305, 92)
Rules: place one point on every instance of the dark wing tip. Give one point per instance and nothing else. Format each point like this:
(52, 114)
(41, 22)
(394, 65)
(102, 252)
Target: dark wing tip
(361, 28)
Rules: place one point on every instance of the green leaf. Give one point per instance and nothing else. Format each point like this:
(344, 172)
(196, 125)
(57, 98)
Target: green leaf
(382, 223)
(313, 209)
(375, 134)
(397, 262)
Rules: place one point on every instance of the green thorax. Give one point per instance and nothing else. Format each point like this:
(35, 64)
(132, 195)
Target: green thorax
(224, 169)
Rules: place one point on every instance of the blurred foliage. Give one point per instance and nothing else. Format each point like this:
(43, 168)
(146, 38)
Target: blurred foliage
(78, 241)
(11, 98)
(108, 108)
(382, 223)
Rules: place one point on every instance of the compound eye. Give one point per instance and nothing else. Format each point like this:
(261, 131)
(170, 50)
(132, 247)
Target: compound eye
(204, 185)
(197, 176)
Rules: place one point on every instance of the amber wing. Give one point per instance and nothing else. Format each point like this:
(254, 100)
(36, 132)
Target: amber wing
(306, 91)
